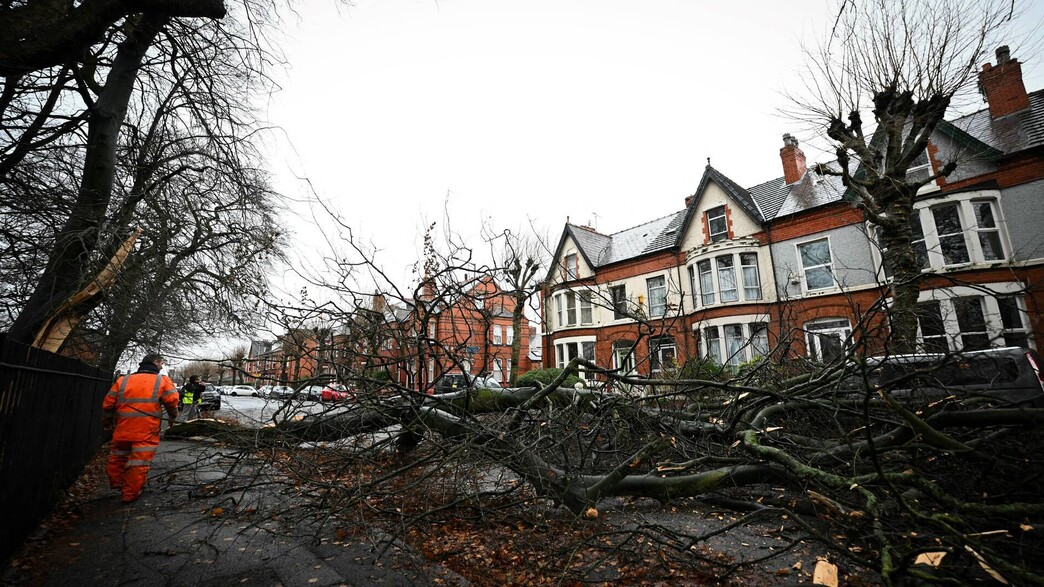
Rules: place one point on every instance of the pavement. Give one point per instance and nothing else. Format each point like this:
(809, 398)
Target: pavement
(191, 528)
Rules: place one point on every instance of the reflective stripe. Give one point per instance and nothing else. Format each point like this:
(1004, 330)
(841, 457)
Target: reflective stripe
(138, 463)
(170, 392)
(155, 390)
(139, 400)
(138, 414)
(111, 393)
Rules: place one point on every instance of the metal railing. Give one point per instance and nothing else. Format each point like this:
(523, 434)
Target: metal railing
(50, 427)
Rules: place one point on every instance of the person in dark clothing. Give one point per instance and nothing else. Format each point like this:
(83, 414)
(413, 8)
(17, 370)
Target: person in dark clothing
(191, 395)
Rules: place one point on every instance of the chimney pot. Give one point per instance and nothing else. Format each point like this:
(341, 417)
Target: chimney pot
(1003, 55)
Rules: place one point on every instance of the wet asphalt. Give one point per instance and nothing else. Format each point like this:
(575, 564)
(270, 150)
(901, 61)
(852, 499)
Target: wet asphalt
(179, 533)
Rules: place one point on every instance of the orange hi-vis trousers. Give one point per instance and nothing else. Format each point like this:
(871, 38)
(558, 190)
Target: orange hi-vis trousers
(128, 466)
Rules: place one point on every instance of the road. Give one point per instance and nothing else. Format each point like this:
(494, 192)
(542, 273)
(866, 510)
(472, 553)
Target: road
(255, 411)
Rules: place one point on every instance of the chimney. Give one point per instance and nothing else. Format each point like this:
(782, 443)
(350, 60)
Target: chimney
(1002, 85)
(793, 160)
(688, 201)
(379, 302)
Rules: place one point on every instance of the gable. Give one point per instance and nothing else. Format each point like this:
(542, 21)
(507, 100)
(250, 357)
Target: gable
(742, 217)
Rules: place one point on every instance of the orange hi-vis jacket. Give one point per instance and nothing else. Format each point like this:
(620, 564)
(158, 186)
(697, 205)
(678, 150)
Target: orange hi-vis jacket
(136, 399)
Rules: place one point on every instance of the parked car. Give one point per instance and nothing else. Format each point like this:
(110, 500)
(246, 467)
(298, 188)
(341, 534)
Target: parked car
(312, 392)
(1010, 374)
(242, 390)
(336, 392)
(454, 382)
(211, 400)
(280, 392)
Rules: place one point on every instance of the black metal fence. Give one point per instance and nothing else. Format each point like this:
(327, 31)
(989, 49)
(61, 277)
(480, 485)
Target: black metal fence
(50, 427)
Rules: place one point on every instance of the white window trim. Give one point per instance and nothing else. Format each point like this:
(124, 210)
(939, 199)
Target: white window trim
(810, 327)
(649, 299)
(991, 309)
(498, 335)
(936, 260)
(612, 301)
(836, 287)
(725, 219)
(579, 341)
(737, 267)
(745, 320)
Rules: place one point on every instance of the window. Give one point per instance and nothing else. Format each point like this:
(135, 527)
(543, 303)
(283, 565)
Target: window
(1015, 332)
(816, 264)
(623, 358)
(657, 287)
(972, 323)
(566, 352)
(759, 344)
(498, 370)
(661, 354)
(619, 295)
(712, 343)
(986, 227)
(933, 330)
(587, 351)
(727, 278)
(498, 334)
(717, 225)
(827, 339)
(920, 169)
(510, 335)
(950, 233)
(570, 266)
(734, 343)
(706, 282)
(558, 311)
(751, 279)
(570, 308)
(586, 308)
(692, 286)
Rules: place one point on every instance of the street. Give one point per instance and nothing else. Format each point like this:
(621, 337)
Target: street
(255, 411)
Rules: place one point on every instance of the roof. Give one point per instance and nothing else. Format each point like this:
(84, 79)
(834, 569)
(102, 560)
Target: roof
(775, 198)
(1015, 132)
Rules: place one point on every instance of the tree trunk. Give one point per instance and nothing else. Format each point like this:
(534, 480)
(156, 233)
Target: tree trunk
(71, 258)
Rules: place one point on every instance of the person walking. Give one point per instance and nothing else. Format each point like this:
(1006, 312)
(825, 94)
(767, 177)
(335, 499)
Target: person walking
(133, 404)
(192, 395)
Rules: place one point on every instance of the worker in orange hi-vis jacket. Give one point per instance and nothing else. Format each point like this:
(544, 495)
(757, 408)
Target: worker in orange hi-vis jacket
(134, 403)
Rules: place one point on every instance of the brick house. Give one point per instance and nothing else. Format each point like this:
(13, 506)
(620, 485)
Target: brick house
(793, 261)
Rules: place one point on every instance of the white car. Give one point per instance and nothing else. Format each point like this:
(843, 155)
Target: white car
(280, 392)
(242, 390)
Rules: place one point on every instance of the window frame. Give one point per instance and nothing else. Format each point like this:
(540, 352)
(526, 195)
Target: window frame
(570, 267)
(757, 276)
(824, 327)
(586, 304)
(722, 270)
(656, 310)
(717, 237)
(498, 335)
(828, 265)
(619, 303)
(657, 347)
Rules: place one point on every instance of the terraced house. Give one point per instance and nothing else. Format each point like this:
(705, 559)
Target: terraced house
(792, 265)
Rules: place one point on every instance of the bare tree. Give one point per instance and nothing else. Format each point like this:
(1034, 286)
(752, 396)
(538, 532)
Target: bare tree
(904, 64)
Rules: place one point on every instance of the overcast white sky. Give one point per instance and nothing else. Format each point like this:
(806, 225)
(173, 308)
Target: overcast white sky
(541, 109)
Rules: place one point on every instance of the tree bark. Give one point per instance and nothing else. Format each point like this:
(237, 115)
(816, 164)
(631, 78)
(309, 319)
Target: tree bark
(71, 258)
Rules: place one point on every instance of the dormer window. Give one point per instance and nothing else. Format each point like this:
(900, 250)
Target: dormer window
(717, 226)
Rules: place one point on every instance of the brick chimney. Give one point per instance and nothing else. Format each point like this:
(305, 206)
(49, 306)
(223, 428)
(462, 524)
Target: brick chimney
(793, 160)
(1002, 84)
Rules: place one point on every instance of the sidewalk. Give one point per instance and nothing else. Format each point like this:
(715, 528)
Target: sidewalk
(175, 536)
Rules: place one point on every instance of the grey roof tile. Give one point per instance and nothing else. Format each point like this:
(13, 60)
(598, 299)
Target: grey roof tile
(1014, 132)
(770, 196)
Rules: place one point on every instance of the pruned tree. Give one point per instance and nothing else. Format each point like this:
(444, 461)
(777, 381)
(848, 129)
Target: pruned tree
(521, 257)
(903, 65)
